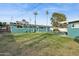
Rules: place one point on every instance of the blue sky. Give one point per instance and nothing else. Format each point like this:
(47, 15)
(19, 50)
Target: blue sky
(21, 11)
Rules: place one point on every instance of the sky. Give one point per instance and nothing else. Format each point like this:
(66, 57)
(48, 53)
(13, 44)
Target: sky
(18, 11)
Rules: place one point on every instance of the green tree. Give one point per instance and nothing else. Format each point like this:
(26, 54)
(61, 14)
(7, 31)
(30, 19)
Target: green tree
(1, 24)
(56, 18)
(4, 24)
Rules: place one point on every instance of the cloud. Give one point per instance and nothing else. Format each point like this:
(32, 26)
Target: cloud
(26, 10)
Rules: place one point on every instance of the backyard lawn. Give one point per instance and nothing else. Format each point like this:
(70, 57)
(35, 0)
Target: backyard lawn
(34, 44)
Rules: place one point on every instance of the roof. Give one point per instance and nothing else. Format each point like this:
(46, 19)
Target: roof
(36, 25)
(74, 21)
(41, 25)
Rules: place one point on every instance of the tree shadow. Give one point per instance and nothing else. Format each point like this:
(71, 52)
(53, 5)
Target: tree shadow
(76, 39)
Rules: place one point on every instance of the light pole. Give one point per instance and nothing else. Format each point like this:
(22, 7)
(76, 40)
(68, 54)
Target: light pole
(47, 20)
(35, 13)
(11, 18)
(30, 24)
(11, 23)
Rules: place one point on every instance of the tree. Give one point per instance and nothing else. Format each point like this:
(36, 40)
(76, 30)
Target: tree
(4, 24)
(56, 18)
(35, 13)
(59, 16)
(1, 24)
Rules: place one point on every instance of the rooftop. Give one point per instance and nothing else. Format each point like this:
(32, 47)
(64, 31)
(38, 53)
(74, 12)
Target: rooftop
(33, 25)
(73, 21)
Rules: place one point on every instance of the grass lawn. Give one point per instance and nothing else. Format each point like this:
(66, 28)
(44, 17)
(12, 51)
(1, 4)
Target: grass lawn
(37, 44)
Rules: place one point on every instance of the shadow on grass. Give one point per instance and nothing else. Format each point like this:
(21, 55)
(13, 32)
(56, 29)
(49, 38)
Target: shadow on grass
(35, 40)
(76, 39)
(35, 44)
(8, 45)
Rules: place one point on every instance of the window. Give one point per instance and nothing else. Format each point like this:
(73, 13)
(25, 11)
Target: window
(19, 26)
(72, 25)
(41, 27)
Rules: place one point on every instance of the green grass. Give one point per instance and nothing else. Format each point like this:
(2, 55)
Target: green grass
(38, 44)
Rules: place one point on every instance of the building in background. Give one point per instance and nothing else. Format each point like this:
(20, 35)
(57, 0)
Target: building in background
(4, 27)
(24, 26)
(60, 27)
(73, 29)
(63, 26)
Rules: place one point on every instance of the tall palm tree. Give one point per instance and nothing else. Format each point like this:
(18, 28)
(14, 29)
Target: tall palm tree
(47, 19)
(35, 13)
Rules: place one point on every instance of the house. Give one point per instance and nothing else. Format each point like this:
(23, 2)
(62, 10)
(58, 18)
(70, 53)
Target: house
(28, 28)
(63, 26)
(22, 23)
(73, 29)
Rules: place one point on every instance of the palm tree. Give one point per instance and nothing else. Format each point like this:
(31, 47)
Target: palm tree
(47, 18)
(35, 13)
